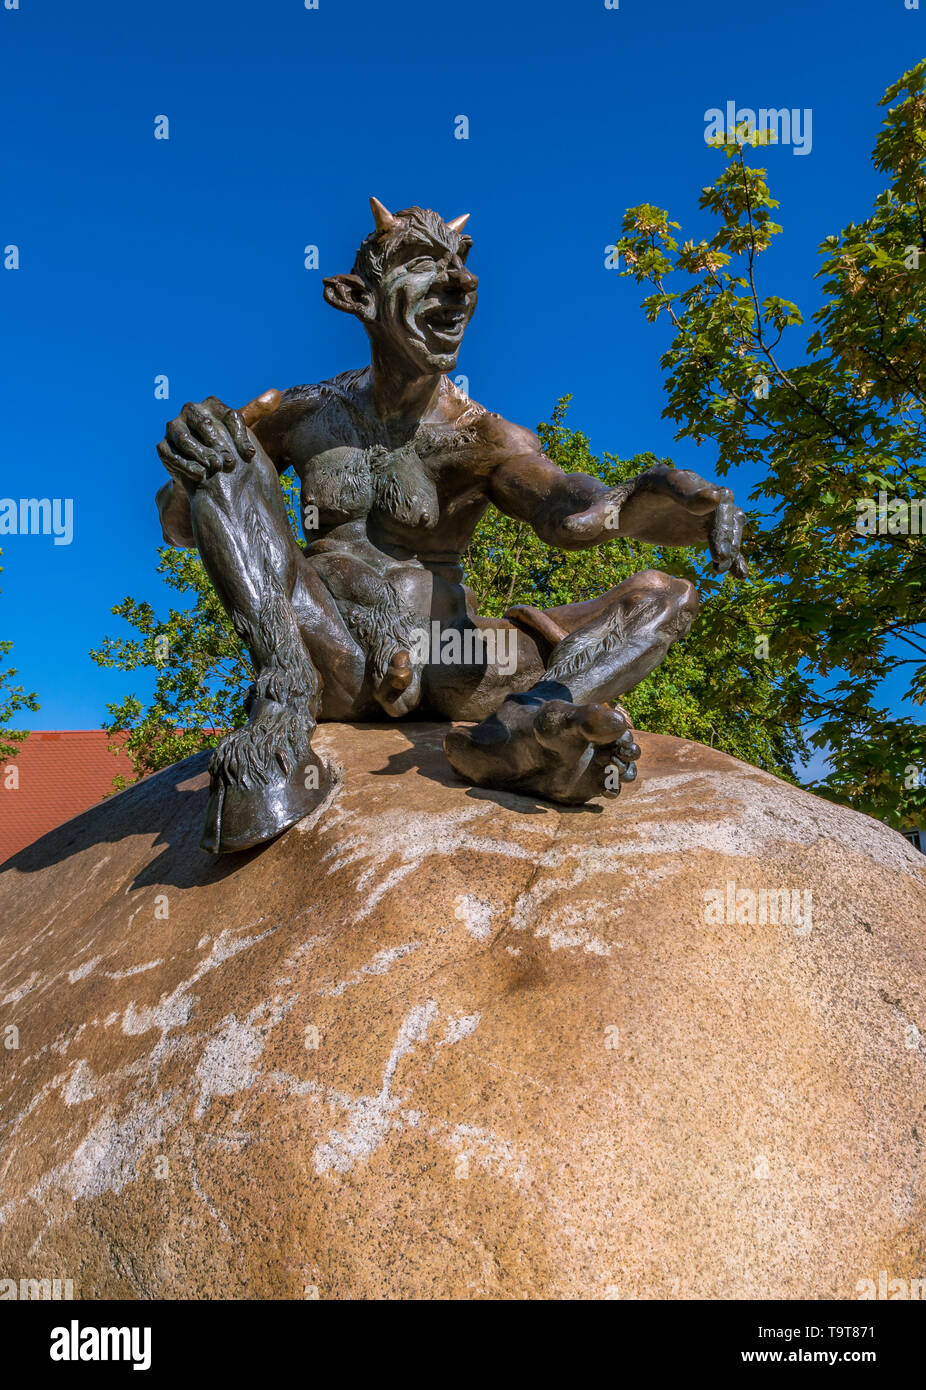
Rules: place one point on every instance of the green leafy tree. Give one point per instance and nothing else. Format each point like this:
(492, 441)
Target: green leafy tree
(201, 669)
(13, 698)
(714, 688)
(832, 417)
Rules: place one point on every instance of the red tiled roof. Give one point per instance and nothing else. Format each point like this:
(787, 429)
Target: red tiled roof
(60, 775)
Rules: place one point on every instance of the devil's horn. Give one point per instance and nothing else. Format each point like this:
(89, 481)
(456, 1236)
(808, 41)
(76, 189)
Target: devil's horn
(385, 222)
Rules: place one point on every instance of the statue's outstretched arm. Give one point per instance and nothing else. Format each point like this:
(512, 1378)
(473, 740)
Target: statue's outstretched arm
(573, 511)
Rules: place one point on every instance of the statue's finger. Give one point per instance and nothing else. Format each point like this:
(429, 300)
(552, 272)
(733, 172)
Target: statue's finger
(202, 425)
(239, 434)
(693, 492)
(183, 443)
(726, 540)
(722, 536)
(736, 538)
(177, 465)
(588, 522)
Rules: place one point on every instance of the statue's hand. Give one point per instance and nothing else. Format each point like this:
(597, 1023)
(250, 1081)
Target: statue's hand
(673, 506)
(726, 536)
(723, 519)
(212, 438)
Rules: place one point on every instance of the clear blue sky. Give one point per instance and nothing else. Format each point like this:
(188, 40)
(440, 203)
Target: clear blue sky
(185, 257)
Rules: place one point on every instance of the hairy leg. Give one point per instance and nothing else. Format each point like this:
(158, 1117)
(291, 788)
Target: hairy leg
(562, 738)
(265, 776)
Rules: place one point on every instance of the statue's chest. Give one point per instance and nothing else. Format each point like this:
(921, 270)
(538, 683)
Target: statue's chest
(404, 485)
(412, 482)
(399, 486)
(351, 484)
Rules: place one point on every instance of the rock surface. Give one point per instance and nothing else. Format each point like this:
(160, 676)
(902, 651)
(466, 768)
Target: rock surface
(442, 1042)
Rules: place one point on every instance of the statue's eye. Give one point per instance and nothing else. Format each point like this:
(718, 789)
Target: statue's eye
(420, 264)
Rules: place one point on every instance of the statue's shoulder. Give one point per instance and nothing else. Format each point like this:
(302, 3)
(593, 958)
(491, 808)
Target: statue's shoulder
(459, 409)
(495, 438)
(503, 437)
(315, 417)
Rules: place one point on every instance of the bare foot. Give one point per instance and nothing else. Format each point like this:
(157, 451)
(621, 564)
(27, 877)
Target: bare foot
(565, 752)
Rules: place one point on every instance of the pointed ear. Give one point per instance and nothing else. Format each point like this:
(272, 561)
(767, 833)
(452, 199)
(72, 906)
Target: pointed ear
(351, 295)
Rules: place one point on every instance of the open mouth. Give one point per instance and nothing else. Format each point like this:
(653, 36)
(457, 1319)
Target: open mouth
(445, 322)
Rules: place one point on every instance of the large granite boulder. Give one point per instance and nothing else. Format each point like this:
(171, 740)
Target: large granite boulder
(444, 1042)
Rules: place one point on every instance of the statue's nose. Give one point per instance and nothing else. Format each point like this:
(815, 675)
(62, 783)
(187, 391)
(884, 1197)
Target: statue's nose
(461, 280)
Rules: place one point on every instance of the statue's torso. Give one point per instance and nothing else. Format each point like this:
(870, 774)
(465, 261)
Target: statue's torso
(417, 491)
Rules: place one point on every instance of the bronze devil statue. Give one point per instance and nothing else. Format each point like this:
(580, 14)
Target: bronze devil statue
(397, 466)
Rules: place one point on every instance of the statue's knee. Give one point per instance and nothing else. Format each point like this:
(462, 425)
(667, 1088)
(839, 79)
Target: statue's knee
(684, 607)
(688, 597)
(680, 592)
(677, 597)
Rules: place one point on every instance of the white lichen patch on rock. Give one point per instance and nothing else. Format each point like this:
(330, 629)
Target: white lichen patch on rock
(460, 1028)
(229, 1063)
(370, 1117)
(476, 915)
(381, 964)
(133, 970)
(757, 811)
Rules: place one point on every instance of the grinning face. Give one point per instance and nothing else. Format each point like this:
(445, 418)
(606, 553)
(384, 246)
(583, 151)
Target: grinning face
(425, 299)
(410, 289)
